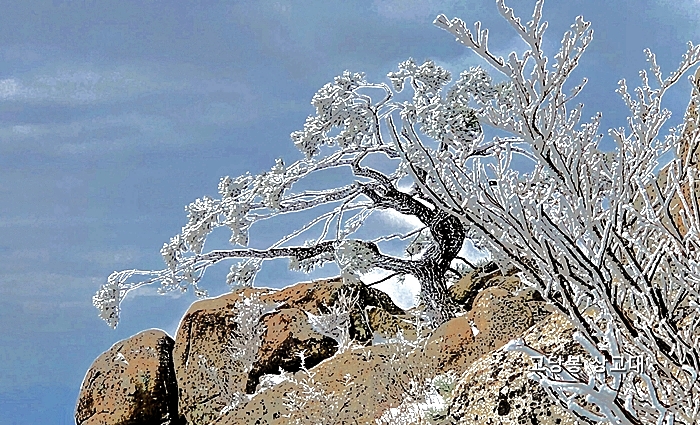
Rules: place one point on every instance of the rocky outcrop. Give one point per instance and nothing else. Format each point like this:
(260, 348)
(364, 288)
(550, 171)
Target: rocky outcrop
(466, 289)
(315, 297)
(237, 357)
(131, 383)
(495, 389)
(353, 387)
(358, 386)
(386, 325)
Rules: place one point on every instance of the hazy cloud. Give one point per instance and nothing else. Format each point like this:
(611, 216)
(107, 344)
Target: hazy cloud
(412, 10)
(113, 258)
(76, 85)
(398, 221)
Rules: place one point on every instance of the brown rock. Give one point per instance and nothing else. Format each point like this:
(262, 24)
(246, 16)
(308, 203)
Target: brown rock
(212, 354)
(354, 387)
(287, 333)
(466, 289)
(131, 383)
(316, 296)
(387, 325)
(450, 347)
(499, 317)
(495, 389)
(359, 385)
(211, 343)
(688, 151)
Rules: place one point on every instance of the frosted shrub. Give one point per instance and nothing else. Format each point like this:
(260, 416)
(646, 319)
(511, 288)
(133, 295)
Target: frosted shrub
(336, 322)
(242, 349)
(310, 403)
(428, 409)
(244, 344)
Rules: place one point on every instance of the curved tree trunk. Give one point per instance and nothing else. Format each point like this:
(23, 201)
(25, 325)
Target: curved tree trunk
(448, 234)
(433, 295)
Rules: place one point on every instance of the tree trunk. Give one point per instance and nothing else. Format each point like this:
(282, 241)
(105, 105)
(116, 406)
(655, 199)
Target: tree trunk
(433, 293)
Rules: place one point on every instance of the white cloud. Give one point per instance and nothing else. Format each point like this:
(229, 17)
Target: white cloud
(472, 254)
(282, 7)
(112, 257)
(398, 221)
(9, 88)
(44, 285)
(22, 129)
(405, 295)
(84, 83)
(223, 103)
(93, 135)
(76, 85)
(53, 221)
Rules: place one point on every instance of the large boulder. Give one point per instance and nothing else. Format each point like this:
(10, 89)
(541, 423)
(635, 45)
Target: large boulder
(498, 316)
(315, 297)
(353, 387)
(238, 357)
(495, 389)
(215, 347)
(131, 383)
(225, 344)
(499, 313)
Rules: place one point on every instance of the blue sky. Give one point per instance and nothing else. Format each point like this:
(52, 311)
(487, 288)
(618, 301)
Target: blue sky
(116, 114)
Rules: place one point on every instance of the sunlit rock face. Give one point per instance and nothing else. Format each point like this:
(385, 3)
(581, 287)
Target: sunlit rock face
(131, 383)
(360, 385)
(495, 389)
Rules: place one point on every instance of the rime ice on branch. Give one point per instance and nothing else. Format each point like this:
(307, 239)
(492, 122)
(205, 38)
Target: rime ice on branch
(352, 122)
(609, 241)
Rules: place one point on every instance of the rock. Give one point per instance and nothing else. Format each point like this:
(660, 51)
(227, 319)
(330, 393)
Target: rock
(386, 325)
(131, 383)
(359, 385)
(315, 297)
(499, 317)
(223, 346)
(450, 347)
(215, 347)
(688, 151)
(464, 290)
(495, 389)
(497, 314)
(355, 386)
(236, 356)
(287, 332)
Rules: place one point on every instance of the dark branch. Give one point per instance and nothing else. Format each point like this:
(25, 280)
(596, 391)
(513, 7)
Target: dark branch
(384, 279)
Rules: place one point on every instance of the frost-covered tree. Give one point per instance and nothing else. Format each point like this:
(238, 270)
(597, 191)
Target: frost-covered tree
(352, 124)
(609, 237)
